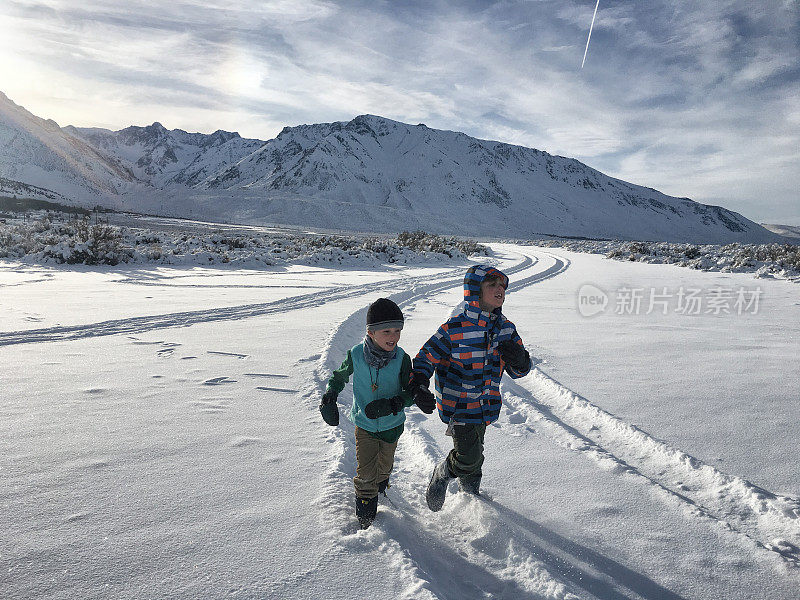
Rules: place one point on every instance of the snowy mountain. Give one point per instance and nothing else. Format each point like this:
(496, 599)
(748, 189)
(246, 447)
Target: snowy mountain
(40, 159)
(445, 180)
(163, 158)
(790, 232)
(368, 174)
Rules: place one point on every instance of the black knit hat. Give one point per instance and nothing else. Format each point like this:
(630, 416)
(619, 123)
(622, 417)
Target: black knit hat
(384, 314)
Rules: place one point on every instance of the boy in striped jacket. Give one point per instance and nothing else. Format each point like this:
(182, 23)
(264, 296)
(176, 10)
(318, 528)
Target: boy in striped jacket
(468, 355)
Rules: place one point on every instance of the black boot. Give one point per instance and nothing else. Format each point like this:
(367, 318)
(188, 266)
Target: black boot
(437, 488)
(366, 509)
(470, 484)
(383, 486)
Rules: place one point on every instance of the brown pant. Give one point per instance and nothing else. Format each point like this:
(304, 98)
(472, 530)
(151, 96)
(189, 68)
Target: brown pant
(375, 459)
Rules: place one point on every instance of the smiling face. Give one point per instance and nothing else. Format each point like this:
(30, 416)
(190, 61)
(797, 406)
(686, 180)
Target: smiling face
(385, 339)
(493, 294)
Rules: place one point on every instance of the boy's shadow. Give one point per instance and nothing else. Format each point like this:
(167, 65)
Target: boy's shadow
(565, 557)
(450, 575)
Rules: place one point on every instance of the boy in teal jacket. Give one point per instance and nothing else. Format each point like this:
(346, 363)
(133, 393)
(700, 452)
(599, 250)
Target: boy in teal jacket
(381, 373)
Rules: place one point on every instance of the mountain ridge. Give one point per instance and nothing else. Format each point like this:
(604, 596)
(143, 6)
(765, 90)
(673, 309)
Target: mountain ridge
(372, 173)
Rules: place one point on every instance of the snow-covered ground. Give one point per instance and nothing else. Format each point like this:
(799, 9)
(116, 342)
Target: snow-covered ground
(160, 436)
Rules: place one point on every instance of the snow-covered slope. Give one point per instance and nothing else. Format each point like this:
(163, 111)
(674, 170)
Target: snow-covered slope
(41, 155)
(163, 158)
(791, 232)
(368, 174)
(447, 180)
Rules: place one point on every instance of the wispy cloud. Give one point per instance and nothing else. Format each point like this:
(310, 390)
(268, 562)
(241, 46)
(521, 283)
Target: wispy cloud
(694, 98)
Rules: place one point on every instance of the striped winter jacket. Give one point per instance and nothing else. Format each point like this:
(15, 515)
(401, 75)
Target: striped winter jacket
(463, 354)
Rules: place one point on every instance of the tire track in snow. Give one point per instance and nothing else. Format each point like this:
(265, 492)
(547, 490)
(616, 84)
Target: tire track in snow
(526, 559)
(186, 319)
(770, 521)
(522, 574)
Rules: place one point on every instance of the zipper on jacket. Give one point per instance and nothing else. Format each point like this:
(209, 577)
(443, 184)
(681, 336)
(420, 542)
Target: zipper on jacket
(489, 339)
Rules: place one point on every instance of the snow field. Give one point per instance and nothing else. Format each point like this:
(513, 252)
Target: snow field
(771, 521)
(515, 554)
(719, 387)
(184, 456)
(160, 467)
(81, 307)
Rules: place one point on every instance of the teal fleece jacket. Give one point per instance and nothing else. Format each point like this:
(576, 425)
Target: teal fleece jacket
(391, 380)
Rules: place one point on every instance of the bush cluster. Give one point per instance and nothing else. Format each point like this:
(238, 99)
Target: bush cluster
(778, 260)
(419, 241)
(80, 242)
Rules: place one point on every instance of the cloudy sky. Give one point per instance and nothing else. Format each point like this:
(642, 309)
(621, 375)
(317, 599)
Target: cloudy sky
(697, 98)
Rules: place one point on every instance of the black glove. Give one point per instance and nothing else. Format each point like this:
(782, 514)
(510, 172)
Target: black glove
(425, 400)
(383, 407)
(329, 410)
(422, 395)
(514, 355)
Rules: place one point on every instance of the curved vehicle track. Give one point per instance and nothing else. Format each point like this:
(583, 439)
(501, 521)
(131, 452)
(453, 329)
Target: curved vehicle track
(136, 325)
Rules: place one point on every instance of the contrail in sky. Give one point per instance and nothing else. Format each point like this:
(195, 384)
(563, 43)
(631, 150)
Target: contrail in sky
(590, 33)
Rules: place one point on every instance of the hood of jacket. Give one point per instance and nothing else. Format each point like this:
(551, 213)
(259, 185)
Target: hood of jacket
(472, 292)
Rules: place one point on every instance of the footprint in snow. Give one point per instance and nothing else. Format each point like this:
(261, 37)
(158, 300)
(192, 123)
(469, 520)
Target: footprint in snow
(274, 389)
(209, 406)
(234, 354)
(77, 517)
(784, 547)
(218, 381)
(93, 464)
(415, 417)
(266, 375)
(516, 418)
(240, 441)
(168, 349)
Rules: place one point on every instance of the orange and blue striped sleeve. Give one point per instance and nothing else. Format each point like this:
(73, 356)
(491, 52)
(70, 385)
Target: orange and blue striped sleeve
(435, 352)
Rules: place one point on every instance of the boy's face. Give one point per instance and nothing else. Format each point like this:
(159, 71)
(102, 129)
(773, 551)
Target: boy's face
(493, 294)
(385, 339)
